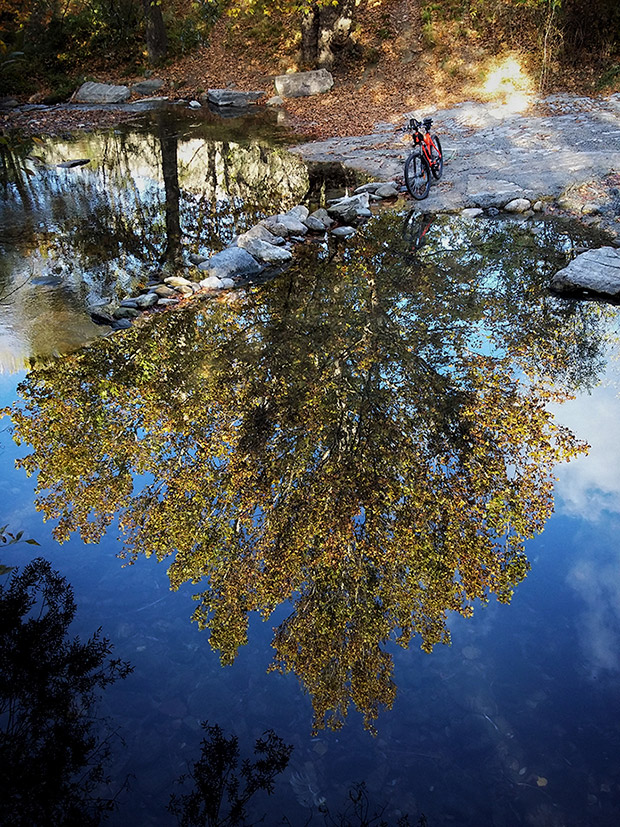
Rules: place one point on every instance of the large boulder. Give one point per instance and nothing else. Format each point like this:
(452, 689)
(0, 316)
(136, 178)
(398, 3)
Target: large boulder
(232, 97)
(302, 84)
(233, 262)
(595, 271)
(91, 92)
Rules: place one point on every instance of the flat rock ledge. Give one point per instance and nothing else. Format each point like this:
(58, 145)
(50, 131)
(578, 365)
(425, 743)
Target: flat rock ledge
(266, 248)
(595, 272)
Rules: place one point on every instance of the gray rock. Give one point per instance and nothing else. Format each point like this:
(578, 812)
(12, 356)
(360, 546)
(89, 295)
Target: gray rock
(185, 290)
(388, 190)
(595, 271)
(90, 92)
(472, 212)
(261, 232)
(590, 209)
(129, 302)
(211, 283)
(275, 100)
(370, 187)
(163, 291)
(178, 281)
(147, 87)
(322, 215)
(302, 84)
(146, 300)
(518, 205)
(263, 251)
(274, 226)
(164, 302)
(344, 232)
(300, 212)
(232, 97)
(197, 258)
(347, 208)
(126, 313)
(314, 224)
(78, 162)
(230, 263)
(121, 324)
(292, 224)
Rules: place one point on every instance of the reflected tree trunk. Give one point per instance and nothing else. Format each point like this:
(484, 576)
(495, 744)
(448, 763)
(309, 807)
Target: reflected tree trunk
(170, 170)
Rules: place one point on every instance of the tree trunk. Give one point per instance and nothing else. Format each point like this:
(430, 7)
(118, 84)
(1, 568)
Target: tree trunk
(156, 38)
(325, 32)
(310, 37)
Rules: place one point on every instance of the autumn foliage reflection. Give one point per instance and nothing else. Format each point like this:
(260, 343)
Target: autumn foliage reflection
(352, 439)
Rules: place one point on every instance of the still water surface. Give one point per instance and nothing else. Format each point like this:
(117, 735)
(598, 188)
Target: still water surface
(349, 469)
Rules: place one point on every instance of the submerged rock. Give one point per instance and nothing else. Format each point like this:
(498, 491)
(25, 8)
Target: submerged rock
(230, 263)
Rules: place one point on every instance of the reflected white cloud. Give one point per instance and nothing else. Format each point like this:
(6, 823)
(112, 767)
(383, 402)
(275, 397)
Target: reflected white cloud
(598, 585)
(590, 485)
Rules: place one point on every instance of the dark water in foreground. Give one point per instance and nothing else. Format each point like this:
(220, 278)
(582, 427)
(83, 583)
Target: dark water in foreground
(348, 468)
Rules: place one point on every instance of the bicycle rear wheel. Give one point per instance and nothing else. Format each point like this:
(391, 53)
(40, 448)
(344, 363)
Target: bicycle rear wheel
(417, 175)
(436, 157)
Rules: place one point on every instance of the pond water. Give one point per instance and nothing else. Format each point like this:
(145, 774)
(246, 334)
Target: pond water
(324, 504)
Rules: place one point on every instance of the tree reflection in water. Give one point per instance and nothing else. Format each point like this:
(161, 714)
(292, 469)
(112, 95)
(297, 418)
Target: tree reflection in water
(54, 751)
(365, 439)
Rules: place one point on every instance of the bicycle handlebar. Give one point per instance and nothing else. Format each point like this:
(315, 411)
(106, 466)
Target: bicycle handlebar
(415, 125)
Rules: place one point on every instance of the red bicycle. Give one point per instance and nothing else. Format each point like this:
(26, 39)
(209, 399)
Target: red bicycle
(425, 159)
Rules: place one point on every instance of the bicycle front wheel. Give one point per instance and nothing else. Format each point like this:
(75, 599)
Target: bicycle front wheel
(436, 157)
(417, 176)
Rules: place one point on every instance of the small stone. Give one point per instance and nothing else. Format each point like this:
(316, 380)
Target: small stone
(275, 100)
(263, 251)
(261, 232)
(126, 313)
(314, 225)
(322, 215)
(472, 212)
(168, 301)
(343, 232)
(129, 302)
(184, 290)
(178, 281)
(538, 206)
(211, 283)
(195, 105)
(386, 191)
(197, 258)
(163, 291)
(590, 209)
(517, 205)
(121, 324)
(300, 212)
(146, 300)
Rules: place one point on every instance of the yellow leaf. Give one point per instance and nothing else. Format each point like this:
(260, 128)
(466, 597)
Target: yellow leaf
(541, 781)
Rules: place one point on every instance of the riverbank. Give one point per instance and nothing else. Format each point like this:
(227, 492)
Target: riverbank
(562, 150)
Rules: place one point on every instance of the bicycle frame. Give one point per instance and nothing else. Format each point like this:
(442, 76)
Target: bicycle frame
(424, 141)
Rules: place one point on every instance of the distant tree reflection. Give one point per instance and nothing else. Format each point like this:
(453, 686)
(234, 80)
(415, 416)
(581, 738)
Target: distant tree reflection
(53, 750)
(365, 439)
